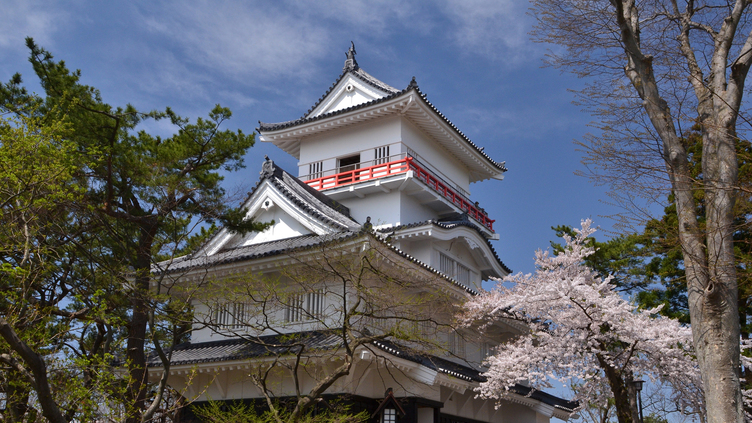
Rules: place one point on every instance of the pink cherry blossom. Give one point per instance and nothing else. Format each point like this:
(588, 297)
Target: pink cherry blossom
(579, 327)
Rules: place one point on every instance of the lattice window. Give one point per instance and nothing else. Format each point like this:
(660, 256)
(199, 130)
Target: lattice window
(315, 170)
(305, 306)
(349, 163)
(389, 415)
(231, 315)
(381, 155)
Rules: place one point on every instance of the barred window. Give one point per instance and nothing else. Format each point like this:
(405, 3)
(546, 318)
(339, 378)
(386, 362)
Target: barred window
(463, 274)
(381, 155)
(485, 350)
(305, 306)
(315, 170)
(446, 265)
(231, 315)
(454, 269)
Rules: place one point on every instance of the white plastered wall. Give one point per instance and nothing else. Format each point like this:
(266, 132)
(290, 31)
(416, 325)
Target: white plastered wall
(383, 208)
(329, 146)
(285, 226)
(436, 155)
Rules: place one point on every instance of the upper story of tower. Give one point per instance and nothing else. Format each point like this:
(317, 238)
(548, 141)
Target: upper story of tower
(386, 153)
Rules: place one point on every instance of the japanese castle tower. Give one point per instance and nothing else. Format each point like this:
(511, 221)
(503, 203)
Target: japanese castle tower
(383, 178)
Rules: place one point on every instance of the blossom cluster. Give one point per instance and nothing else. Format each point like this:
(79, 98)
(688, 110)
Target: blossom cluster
(579, 326)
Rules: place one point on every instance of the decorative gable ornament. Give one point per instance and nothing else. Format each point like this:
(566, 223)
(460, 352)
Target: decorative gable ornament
(389, 410)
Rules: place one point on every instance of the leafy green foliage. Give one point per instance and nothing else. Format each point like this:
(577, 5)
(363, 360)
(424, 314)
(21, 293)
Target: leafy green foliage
(90, 203)
(244, 412)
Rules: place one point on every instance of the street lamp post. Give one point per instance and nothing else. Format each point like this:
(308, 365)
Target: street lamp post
(638, 387)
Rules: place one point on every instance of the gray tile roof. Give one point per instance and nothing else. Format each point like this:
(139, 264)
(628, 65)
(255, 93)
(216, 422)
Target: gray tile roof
(361, 75)
(255, 251)
(468, 373)
(244, 349)
(289, 245)
(306, 198)
(241, 349)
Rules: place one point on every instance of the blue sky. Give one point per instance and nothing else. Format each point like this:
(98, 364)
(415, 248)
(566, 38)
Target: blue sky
(271, 61)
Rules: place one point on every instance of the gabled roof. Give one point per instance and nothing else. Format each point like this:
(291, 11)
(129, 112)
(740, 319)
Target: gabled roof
(324, 214)
(468, 373)
(307, 198)
(351, 68)
(389, 93)
(449, 223)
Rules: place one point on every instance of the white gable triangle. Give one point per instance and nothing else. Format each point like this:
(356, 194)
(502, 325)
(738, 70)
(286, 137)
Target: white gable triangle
(350, 91)
(265, 205)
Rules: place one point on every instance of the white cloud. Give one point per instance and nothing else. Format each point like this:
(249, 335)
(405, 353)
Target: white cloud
(287, 39)
(240, 38)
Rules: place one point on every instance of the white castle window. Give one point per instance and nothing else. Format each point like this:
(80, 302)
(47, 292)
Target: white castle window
(305, 306)
(231, 315)
(389, 415)
(455, 270)
(349, 163)
(457, 344)
(446, 265)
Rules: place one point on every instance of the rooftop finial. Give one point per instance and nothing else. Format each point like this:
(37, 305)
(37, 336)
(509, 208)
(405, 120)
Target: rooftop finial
(413, 83)
(267, 169)
(350, 63)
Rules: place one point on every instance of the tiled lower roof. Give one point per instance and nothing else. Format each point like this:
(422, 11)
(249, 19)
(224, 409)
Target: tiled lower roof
(255, 251)
(244, 349)
(470, 374)
(284, 246)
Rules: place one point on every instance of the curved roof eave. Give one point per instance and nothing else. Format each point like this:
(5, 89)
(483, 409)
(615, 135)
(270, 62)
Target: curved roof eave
(271, 129)
(448, 226)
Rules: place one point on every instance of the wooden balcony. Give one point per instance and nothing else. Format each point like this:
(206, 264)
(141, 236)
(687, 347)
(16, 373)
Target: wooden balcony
(397, 167)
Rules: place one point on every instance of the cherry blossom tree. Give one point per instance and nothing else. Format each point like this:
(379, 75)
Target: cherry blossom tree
(583, 333)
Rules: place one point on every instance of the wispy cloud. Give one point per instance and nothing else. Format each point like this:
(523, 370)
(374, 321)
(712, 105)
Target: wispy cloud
(496, 28)
(288, 38)
(21, 19)
(378, 18)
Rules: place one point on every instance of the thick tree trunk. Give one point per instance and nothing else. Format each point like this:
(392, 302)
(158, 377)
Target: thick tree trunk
(136, 354)
(626, 410)
(709, 268)
(713, 301)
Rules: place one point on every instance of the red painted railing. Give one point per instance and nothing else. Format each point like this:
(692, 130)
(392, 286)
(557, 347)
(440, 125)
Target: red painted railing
(394, 168)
